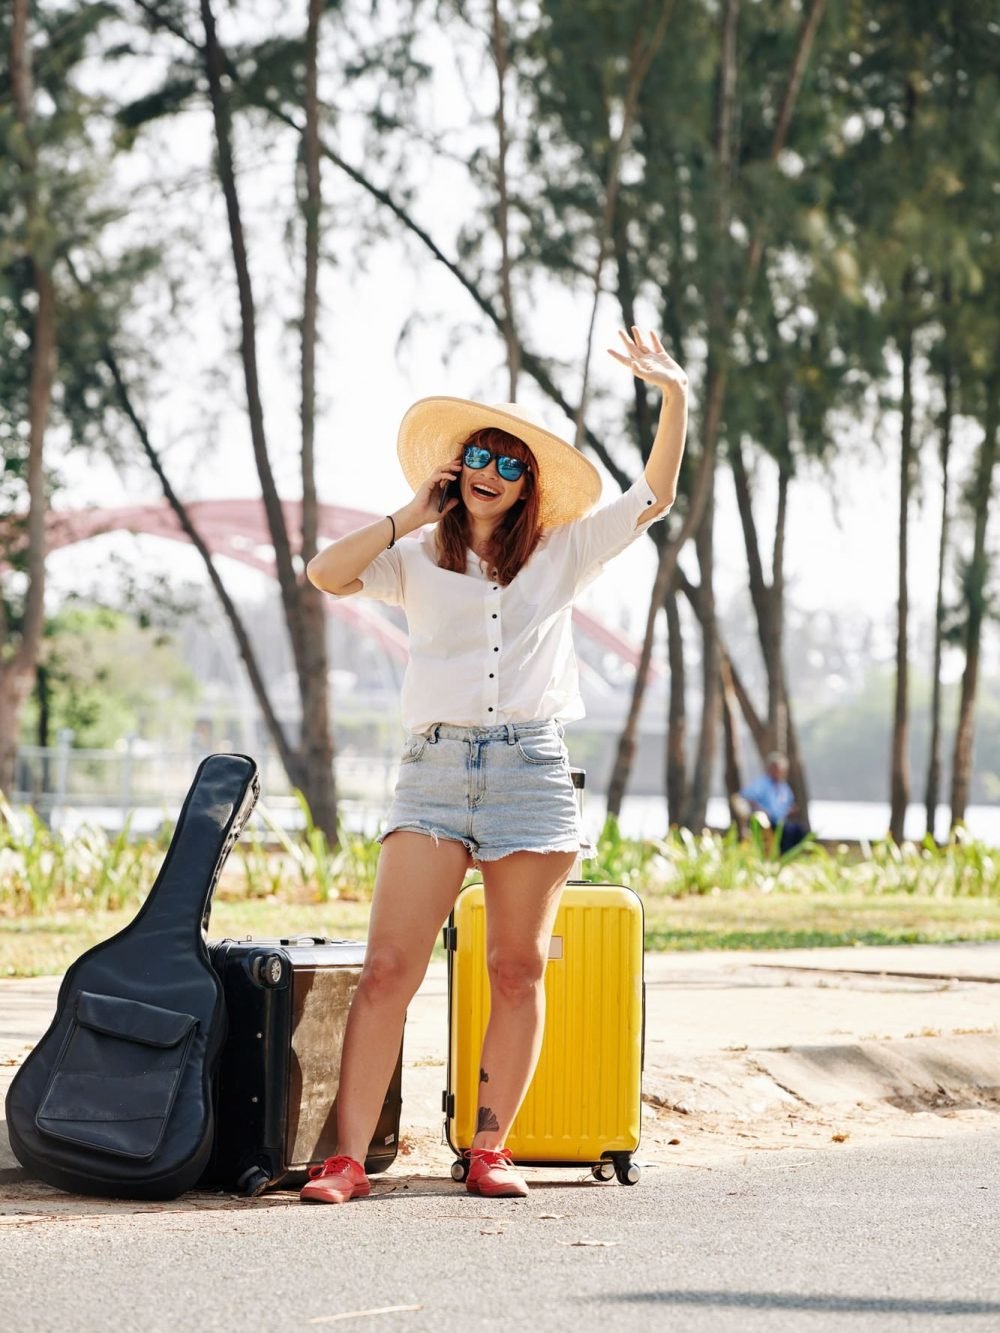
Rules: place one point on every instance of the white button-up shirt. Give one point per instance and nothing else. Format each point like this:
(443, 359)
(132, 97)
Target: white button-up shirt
(482, 654)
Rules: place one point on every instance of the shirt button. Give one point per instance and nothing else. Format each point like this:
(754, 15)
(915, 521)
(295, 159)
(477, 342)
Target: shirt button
(649, 502)
(494, 615)
(491, 675)
(489, 710)
(496, 650)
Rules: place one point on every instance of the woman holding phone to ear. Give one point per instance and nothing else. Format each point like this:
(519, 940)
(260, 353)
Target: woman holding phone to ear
(484, 777)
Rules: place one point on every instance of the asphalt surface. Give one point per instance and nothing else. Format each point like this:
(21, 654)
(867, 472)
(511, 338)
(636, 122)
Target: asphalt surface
(899, 1237)
(820, 1152)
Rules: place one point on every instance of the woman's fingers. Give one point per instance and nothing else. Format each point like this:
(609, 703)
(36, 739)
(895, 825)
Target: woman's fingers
(429, 492)
(637, 345)
(446, 472)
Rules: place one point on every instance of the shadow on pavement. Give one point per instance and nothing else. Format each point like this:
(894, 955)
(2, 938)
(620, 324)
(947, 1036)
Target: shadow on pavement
(827, 1304)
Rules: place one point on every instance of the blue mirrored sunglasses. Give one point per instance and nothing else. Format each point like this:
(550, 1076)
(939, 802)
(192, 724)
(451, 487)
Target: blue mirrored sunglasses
(474, 456)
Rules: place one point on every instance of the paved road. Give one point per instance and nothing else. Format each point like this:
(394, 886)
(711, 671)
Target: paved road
(902, 1237)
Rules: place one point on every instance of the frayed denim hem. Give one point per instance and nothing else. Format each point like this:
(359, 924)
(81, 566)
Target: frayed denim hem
(573, 845)
(431, 832)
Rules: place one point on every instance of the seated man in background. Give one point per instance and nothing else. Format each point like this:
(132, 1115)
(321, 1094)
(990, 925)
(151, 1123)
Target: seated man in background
(770, 795)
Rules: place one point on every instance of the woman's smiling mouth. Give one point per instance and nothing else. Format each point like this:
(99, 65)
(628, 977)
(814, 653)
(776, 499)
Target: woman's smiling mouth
(484, 492)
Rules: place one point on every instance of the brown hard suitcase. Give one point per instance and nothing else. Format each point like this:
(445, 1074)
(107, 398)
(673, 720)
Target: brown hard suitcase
(276, 1111)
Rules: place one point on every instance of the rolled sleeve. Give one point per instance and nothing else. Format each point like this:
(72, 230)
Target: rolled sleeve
(604, 534)
(382, 580)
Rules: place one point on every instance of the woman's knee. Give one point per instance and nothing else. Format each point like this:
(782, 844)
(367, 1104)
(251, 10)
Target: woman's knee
(388, 976)
(515, 976)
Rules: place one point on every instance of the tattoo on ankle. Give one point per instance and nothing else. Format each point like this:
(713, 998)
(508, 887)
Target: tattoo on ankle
(483, 1076)
(487, 1120)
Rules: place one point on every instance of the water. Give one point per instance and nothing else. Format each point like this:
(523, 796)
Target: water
(641, 817)
(645, 817)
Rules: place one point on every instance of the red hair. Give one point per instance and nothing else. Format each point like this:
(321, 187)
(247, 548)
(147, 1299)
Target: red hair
(517, 533)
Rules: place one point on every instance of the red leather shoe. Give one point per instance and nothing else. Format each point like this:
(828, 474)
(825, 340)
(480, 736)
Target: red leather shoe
(336, 1181)
(492, 1174)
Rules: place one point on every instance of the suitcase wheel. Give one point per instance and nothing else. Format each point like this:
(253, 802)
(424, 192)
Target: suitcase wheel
(253, 1182)
(626, 1170)
(268, 970)
(603, 1170)
(459, 1168)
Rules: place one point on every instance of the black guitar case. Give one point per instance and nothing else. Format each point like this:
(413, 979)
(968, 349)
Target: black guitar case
(116, 1098)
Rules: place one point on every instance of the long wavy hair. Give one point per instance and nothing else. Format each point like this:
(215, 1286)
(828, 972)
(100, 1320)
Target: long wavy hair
(518, 532)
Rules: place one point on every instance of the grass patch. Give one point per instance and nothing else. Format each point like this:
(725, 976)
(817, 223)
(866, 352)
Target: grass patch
(748, 920)
(45, 945)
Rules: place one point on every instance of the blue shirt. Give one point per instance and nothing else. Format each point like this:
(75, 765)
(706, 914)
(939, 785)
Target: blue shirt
(773, 795)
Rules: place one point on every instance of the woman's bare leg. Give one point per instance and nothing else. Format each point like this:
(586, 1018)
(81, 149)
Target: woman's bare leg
(522, 897)
(416, 886)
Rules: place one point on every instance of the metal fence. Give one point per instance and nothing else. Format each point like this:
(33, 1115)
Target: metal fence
(146, 785)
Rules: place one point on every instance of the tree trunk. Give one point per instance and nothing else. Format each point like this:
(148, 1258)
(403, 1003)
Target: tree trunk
(641, 57)
(694, 816)
(641, 413)
(783, 722)
(933, 794)
(733, 765)
(512, 343)
(769, 609)
(796, 769)
(976, 596)
(215, 69)
(313, 766)
(17, 672)
(310, 765)
(676, 767)
(14, 692)
(900, 766)
(314, 763)
(764, 598)
(311, 205)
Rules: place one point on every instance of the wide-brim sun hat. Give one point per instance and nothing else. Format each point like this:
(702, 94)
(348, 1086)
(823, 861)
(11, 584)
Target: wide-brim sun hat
(433, 428)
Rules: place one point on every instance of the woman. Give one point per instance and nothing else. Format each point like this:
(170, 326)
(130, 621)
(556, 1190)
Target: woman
(484, 777)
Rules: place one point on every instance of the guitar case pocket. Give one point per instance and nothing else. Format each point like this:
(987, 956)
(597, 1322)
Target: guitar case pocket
(115, 1081)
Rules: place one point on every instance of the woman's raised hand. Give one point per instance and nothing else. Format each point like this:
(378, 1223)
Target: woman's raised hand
(648, 361)
(424, 507)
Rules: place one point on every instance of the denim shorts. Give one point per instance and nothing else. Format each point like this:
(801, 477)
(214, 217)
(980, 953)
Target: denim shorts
(498, 790)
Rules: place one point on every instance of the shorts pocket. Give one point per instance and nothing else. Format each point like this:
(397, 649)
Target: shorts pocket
(545, 747)
(114, 1085)
(413, 750)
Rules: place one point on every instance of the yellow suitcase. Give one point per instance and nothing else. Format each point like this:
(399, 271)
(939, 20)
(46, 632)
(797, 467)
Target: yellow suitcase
(585, 1102)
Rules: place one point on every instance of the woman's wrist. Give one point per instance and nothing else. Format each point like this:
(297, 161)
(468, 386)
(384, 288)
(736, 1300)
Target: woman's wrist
(674, 391)
(402, 521)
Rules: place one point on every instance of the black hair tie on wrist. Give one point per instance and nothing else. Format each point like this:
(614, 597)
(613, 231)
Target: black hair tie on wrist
(393, 522)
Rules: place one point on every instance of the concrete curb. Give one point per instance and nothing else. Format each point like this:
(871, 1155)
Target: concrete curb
(909, 1073)
(918, 1073)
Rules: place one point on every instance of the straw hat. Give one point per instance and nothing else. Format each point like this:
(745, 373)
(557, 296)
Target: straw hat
(433, 428)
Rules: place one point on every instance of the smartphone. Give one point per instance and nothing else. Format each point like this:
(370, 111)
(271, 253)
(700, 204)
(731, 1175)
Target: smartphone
(449, 492)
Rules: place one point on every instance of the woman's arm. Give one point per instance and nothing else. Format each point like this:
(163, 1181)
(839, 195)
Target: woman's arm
(649, 362)
(337, 567)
